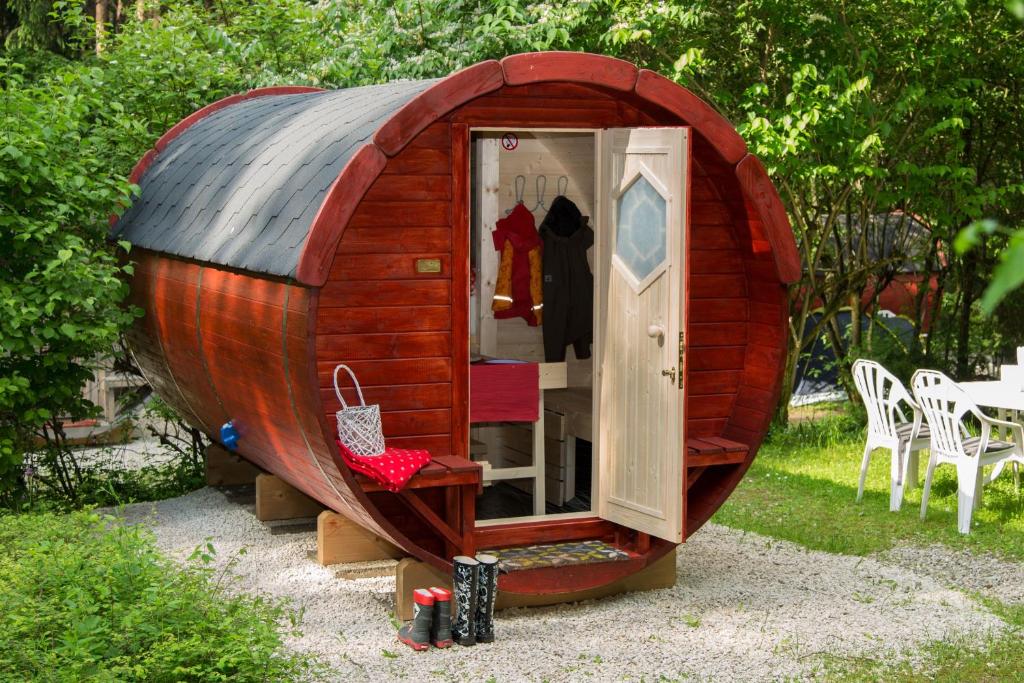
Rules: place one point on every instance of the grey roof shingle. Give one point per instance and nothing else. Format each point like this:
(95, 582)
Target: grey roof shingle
(241, 186)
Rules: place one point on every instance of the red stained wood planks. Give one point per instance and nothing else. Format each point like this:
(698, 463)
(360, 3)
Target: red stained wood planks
(403, 266)
(412, 188)
(401, 240)
(330, 221)
(396, 345)
(761, 193)
(448, 94)
(387, 319)
(460, 289)
(392, 372)
(340, 293)
(721, 134)
(718, 286)
(401, 212)
(390, 396)
(571, 67)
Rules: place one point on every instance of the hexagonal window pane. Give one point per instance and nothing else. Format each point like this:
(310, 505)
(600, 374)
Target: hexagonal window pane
(642, 228)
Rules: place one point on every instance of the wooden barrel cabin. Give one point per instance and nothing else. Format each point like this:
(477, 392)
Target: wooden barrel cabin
(285, 230)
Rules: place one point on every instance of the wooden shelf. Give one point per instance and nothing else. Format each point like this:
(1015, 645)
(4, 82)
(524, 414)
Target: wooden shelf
(713, 450)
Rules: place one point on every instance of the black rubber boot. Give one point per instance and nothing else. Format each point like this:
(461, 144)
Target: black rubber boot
(441, 627)
(487, 592)
(464, 580)
(416, 634)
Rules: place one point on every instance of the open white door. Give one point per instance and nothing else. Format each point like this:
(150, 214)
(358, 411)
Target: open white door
(643, 182)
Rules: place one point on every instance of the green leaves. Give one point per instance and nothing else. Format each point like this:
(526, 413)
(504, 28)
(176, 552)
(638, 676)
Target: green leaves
(88, 598)
(1008, 274)
(60, 284)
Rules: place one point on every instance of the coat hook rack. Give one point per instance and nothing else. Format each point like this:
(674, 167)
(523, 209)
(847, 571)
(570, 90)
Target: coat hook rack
(520, 189)
(563, 185)
(541, 186)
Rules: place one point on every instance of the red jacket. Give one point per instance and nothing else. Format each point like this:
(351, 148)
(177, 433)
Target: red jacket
(518, 290)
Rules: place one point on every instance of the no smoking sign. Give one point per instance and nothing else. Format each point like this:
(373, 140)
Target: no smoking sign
(509, 141)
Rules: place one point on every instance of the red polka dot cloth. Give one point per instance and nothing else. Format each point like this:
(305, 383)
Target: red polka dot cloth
(392, 469)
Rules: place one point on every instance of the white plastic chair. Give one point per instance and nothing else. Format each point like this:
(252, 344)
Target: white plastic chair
(945, 406)
(888, 427)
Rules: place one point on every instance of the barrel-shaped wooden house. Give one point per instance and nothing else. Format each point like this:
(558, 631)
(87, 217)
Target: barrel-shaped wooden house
(285, 230)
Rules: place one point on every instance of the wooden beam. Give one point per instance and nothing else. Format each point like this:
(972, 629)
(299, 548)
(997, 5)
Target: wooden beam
(411, 574)
(277, 499)
(340, 540)
(224, 468)
(416, 504)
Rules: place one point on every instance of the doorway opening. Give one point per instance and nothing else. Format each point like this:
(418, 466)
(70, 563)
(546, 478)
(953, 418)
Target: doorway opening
(532, 322)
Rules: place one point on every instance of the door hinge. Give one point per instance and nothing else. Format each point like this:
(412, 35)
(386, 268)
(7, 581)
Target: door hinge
(682, 352)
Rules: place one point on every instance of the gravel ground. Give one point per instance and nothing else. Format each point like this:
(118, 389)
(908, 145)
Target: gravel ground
(745, 607)
(985, 573)
(128, 456)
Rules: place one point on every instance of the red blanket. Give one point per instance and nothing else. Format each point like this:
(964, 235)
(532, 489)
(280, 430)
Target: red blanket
(392, 469)
(504, 392)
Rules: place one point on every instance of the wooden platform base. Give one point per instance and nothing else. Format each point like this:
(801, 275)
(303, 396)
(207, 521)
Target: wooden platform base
(224, 468)
(277, 499)
(411, 574)
(339, 541)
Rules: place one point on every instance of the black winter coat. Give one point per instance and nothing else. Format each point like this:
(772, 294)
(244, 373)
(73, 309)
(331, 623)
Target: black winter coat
(568, 282)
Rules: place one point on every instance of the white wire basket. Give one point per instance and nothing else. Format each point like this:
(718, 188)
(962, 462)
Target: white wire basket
(358, 426)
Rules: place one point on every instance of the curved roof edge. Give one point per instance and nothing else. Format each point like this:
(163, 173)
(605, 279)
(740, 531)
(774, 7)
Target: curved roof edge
(312, 259)
(761, 193)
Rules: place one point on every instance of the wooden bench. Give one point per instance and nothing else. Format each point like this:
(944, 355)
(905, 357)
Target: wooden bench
(461, 480)
(708, 451)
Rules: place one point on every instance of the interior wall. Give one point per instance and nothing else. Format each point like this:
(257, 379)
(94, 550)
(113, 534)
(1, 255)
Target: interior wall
(547, 162)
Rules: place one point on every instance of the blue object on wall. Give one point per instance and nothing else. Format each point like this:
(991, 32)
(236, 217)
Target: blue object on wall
(229, 435)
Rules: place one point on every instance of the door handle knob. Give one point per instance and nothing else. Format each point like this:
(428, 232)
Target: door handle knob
(671, 374)
(655, 331)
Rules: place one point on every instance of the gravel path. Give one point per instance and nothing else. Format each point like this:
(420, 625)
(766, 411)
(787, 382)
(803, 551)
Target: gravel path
(745, 607)
(983, 573)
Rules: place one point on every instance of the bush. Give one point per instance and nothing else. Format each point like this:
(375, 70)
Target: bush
(87, 599)
(60, 282)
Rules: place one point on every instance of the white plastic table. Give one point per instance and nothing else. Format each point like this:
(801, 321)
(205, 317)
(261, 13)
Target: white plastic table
(1002, 396)
(1007, 400)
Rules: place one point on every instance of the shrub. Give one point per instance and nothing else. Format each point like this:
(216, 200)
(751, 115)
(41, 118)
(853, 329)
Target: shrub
(88, 599)
(60, 283)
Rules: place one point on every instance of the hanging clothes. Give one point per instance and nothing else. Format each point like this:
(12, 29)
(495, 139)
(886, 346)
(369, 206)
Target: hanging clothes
(568, 283)
(518, 291)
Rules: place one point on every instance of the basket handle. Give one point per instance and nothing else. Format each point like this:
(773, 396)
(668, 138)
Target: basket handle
(337, 391)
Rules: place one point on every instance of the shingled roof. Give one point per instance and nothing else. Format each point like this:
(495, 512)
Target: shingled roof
(241, 186)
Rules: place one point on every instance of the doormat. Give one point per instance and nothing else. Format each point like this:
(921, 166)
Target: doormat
(557, 555)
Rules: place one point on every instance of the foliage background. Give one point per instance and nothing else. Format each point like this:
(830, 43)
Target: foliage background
(856, 108)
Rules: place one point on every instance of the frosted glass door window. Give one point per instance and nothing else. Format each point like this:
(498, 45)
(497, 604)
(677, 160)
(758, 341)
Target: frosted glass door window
(642, 228)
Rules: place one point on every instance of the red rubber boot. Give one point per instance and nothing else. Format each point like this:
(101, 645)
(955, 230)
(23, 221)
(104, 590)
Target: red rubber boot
(441, 628)
(416, 634)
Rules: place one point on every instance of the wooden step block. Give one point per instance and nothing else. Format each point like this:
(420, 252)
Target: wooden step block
(340, 540)
(277, 499)
(412, 574)
(224, 468)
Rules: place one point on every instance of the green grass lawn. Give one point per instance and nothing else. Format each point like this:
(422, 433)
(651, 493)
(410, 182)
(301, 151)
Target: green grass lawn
(802, 488)
(803, 484)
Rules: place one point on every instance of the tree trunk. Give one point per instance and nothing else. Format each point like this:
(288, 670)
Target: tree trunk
(788, 381)
(140, 9)
(963, 332)
(101, 24)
